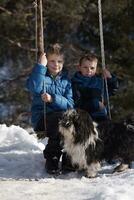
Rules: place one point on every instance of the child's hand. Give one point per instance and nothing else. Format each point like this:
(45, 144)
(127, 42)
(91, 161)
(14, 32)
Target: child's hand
(43, 59)
(46, 97)
(106, 73)
(101, 105)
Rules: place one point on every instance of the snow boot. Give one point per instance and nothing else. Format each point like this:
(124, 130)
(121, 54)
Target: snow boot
(52, 165)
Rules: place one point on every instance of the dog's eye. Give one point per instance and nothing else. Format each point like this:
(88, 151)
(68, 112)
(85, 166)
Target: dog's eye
(68, 124)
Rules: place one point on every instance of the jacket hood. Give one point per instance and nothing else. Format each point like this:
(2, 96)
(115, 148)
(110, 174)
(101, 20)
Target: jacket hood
(94, 81)
(78, 77)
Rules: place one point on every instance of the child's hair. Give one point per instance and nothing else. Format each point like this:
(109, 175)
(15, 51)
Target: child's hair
(89, 56)
(55, 49)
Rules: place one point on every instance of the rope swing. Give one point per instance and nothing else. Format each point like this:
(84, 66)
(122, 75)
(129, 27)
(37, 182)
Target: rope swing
(36, 29)
(39, 33)
(39, 45)
(103, 56)
(40, 28)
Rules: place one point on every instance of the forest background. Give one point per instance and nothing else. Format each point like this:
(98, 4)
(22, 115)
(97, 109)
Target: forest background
(75, 24)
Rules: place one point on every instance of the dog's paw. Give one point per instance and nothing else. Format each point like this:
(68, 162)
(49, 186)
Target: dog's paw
(122, 167)
(91, 174)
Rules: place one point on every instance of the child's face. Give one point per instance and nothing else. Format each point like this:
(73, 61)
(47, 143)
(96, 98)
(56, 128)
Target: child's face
(55, 63)
(88, 68)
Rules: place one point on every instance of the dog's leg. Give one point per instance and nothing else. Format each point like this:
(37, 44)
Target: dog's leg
(92, 169)
(122, 167)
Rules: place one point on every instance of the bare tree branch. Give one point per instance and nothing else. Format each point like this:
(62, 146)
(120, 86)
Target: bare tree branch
(5, 10)
(18, 44)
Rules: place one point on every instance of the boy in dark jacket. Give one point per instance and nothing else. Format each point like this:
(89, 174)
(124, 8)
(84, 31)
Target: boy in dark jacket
(52, 93)
(89, 88)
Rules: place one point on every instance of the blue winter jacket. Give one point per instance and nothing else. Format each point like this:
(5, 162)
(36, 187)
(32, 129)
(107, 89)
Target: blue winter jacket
(88, 91)
(39, 82)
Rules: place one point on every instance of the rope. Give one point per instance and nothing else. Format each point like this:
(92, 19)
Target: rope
(40, 48)
(36, 31)
(41, 28)
(103, 55)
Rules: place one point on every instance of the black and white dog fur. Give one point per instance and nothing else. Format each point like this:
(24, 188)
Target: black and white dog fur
(88, 143)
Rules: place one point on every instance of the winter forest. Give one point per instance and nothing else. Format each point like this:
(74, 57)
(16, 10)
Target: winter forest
(74, 24)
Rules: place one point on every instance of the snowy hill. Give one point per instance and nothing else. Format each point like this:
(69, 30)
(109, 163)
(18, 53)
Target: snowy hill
(22, 174)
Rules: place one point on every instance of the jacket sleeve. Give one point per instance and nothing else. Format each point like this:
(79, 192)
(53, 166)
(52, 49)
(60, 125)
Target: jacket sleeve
(66, 101)
(113, 85)
(35, 81)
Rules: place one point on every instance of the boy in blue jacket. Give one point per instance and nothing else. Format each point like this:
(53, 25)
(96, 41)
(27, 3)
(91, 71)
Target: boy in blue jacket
(51, 90)
(89, 89)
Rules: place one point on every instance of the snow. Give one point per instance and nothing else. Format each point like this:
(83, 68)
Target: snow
(23, 176)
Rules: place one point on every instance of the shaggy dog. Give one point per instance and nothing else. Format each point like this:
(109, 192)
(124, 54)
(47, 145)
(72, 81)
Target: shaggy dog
(88, 143)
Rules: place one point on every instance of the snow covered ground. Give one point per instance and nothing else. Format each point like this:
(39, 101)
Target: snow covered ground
(22, 174)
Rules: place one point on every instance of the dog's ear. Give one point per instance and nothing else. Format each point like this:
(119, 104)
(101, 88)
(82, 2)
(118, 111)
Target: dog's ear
(84, 118)
(75, 115)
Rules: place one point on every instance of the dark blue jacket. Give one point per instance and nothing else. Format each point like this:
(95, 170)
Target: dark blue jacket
(88, 91)
(39, 82)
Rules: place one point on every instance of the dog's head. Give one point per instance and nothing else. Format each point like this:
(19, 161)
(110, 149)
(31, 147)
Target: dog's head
(77, 125)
